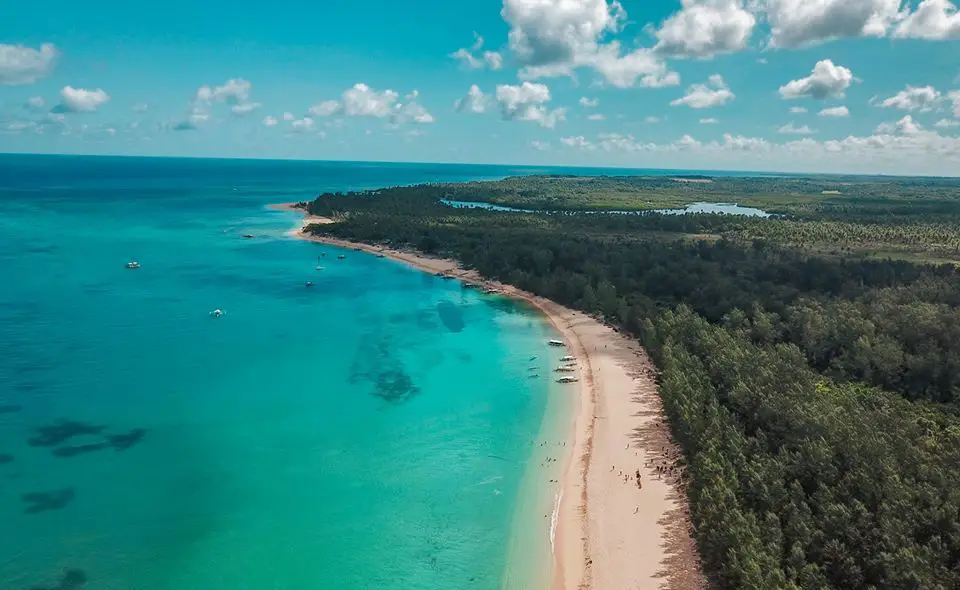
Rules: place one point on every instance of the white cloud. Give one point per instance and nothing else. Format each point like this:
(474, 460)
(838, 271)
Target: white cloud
(80, 100)
(651, 119)
(578, 141)
(303, 125)
(799, 23)
(18, 126)
(466, 57)
(34, 103)
(946, 124)
(762, 61)
(704, 28)
(140, 108)
(905, 126)
(269, 121)
(912, 98)
(234, 91)
(933, 19)
(325, 108)
(540, 146)
(474, 102)
(596, 117)
(411, 111)
(24, 65)
(955, 98)
(790, 129)
(288, 117)
(526, 102)
(798, 110)
(709, 121)
(245, 108)
(703, 96)
(826, 80)
(840, 111)
(589, 103)
(742, 143)
(363, 101)
(556, 37)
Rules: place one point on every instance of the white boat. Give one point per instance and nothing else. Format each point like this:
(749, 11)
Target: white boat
(567, 380)
(556, 343)
(565, 369)
(567, 359)
(216, 313)
(133, 264)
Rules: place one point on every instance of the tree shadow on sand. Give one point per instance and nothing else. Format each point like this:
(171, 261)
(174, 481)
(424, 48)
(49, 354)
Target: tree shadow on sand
(681, 568)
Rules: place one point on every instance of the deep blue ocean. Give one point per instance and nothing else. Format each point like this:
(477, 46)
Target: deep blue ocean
(379, 430)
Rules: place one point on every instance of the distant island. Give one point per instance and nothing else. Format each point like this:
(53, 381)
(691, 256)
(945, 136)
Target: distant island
(808, 364)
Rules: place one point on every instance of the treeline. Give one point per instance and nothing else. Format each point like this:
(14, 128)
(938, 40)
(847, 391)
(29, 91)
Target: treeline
(815, 398)
(796, 482)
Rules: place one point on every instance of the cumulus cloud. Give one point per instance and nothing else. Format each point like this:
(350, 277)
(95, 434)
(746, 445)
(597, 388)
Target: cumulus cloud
(826, 80)
(704, 28)
(556, 37)
(589, 103)
(790, 129)
(288, 117)
(702, 96)
(269, 121)
(709, 121)
(489, 59)
(527, 102)
(540, 146)
(363, 101)
(474, 102)
(80, 100)
(840, 111)
(905, 126)
(798, 110)
(946, 124)
(912, 98)
(234, 91)
(24, 65)
(800, 23)
(933, 19)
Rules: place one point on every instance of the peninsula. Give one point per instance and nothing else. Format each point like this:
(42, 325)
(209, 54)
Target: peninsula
(802, 365)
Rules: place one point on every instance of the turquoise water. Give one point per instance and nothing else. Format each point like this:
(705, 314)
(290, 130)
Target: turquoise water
(717, 208)
(373, 431)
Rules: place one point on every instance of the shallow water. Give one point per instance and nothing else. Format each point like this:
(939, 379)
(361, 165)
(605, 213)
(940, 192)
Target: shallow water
(373, 431)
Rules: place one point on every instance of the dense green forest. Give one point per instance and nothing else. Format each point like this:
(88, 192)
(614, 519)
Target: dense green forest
(811, 378)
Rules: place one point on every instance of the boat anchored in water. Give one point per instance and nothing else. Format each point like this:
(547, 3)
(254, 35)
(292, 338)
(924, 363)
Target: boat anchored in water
(216, 313)
(567, 359)
(556, 343)
(565, 369)
(133, 264)
(567, 379)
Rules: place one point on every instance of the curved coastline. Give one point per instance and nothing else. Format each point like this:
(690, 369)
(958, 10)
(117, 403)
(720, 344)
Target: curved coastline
(607, 534)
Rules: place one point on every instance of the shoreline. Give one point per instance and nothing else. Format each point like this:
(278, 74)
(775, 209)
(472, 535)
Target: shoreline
(609, 533)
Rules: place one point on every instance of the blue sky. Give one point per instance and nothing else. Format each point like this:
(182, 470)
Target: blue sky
(731, 84)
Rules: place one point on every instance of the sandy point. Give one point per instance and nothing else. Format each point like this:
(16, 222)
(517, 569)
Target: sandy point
(614, 532)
